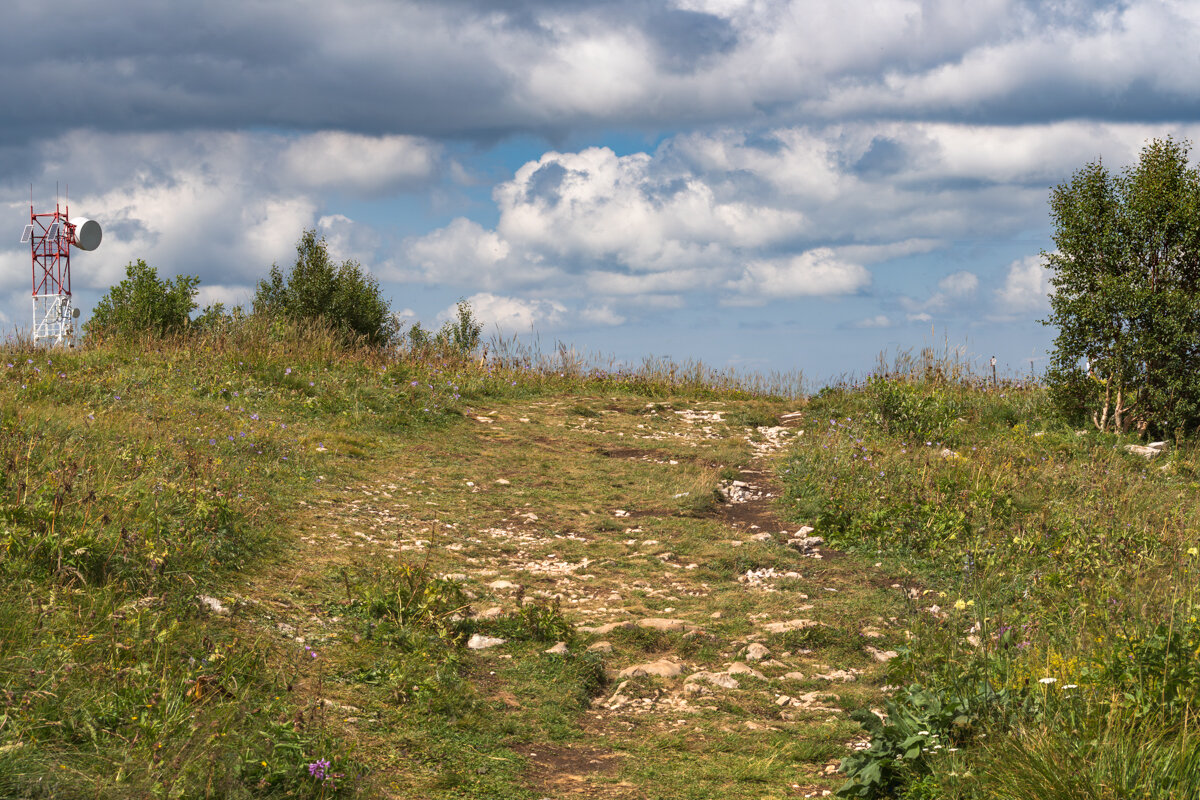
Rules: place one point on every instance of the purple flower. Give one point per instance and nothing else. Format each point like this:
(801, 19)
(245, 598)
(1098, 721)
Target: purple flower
(317, 768)
(310, 383)
(254, 416)
(287, 371)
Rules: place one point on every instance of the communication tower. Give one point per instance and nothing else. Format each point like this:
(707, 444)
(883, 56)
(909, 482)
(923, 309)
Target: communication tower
(50, 236)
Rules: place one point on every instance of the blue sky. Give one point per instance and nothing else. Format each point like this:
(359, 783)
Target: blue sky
(763, 184)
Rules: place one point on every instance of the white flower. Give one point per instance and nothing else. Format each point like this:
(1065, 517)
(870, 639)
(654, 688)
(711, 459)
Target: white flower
(1071, 686)
(1047, 681)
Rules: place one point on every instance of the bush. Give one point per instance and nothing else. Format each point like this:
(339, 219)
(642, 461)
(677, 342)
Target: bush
(144, 304)
(341, 295)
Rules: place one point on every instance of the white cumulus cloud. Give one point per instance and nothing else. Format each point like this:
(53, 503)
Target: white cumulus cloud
(1026, 286)
(812, 273)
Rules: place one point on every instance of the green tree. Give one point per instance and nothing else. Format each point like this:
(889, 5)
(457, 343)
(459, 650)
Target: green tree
(342, 295)
(463, 332)
(1126, 274)
(144, 304)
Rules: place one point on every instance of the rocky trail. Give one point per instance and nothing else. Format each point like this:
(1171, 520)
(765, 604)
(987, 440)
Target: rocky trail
(733, 642)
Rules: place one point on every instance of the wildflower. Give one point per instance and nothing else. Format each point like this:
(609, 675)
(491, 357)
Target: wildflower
(960, 604)
(317, 769)
(1047, 681)
(287, 371)
(254, 417)
(310, 383)
(1191, 551)
(1071, 686)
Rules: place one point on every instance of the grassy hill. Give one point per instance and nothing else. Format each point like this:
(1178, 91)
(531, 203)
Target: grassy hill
(258, 564)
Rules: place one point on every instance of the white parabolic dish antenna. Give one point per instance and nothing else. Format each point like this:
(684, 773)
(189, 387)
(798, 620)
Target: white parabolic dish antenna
(87, 233)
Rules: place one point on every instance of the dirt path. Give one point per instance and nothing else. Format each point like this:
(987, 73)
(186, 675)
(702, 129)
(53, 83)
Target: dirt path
(733, 643)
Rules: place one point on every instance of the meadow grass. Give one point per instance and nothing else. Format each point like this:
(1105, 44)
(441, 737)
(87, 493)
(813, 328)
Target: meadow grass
(1053, 600)
(142, 479)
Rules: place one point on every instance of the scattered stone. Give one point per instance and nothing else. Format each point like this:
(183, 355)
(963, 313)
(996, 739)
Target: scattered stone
(761, 537)
(715, 615)
(600, 647)
(663, 668)
(214, 605)
(806, 544)
(1148, 451)
(757, 652)
(502, 482)
(793, 676)
(620, 512)
(758, 726)
(791, 625)
(884, 656)
(872, 633)
(722, 679)
(843, 675)
(490, 613)
(498, 585)
(741, 668)
(559, 649)
(480, 642)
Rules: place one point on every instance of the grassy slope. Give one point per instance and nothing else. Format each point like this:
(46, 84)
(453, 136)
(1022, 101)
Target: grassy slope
(1059, 618)
(280, 479)
(321, 498)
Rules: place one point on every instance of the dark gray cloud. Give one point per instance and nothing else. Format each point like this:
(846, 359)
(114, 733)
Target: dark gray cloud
(485, 69)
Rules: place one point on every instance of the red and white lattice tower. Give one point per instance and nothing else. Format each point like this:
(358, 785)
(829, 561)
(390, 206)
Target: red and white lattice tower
(51, 236)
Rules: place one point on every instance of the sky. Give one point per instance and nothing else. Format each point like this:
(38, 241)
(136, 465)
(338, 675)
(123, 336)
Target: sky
(763, 185)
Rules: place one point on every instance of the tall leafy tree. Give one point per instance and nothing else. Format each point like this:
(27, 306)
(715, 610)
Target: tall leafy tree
(1126, 275)
(315, 288)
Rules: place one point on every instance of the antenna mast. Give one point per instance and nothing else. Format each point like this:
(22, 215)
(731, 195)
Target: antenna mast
(50, 236)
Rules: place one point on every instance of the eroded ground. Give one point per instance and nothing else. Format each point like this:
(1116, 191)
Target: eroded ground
(733, 643)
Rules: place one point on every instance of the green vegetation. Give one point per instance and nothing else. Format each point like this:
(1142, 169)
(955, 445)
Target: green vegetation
(151, 487)
(143, 304)
(1127, 294)
(341, 296)
(1053, 599)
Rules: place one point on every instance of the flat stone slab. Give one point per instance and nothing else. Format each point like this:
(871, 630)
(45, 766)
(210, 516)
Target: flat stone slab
(663, 668)
(741, 668)
(480, 642)
(721, 679)
(790, 625)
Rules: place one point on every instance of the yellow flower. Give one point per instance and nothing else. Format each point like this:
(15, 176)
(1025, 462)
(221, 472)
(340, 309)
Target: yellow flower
(959, 604)
(1191, 551)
